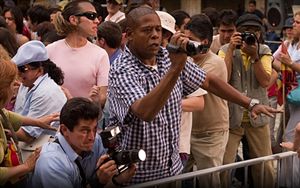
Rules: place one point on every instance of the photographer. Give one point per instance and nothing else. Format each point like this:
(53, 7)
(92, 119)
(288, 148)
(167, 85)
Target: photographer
(146, 102)
(249, 66)
(76, 158)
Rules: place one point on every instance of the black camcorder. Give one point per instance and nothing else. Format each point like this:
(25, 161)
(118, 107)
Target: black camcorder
(192, 48)
(248, 37)
(123, 158)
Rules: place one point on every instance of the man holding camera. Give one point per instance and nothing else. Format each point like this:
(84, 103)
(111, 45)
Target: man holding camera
(76, 158)
(146, 86)
(209, 132)
(249, 66)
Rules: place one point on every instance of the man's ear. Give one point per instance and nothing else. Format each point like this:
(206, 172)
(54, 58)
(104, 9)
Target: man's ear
(73, 20)
(101, 42)
(63, 129)
(205, 41)
(129, 34)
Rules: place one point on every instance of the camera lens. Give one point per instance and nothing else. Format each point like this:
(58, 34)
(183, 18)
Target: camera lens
(249, 38)
(129, 156)
(191, 48)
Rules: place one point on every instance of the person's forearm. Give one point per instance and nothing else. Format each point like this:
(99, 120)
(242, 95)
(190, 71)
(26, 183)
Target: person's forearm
(30, 121)
(103, 96)
(273, 78)
(147, 107)
(23, 136)
(297, 137)
(222, 89)
(295, 66)
(261, 75)
(15, 172)
(276, 65)
(193, 104)
(228, 61)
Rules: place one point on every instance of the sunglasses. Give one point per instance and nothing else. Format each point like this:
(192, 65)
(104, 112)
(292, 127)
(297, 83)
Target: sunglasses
(23, 69)
(89, 15)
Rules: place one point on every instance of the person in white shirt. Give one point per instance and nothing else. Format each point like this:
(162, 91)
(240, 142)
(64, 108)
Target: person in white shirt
(113, 9)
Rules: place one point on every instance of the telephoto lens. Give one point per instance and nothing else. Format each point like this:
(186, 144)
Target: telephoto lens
(124, 157)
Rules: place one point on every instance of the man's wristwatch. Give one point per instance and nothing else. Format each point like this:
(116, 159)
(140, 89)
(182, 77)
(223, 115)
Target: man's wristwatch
(253, 102)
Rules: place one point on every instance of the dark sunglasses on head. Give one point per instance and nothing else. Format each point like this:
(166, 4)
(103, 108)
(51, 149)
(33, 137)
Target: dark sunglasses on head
(23, 69)
(89, 15)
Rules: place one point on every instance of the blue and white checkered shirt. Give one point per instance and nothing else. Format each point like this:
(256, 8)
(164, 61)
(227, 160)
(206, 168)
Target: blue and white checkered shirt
(130, 80)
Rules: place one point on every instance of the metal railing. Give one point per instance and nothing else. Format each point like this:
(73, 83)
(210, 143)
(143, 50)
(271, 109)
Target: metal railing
(243, 164)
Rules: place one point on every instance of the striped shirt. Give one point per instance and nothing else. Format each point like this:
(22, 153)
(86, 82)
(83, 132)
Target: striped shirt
(130, 80)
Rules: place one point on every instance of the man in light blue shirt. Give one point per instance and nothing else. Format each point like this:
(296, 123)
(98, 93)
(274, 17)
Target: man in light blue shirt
(72, 159)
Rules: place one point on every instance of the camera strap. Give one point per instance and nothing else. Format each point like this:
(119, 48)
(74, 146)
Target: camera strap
(77, 162)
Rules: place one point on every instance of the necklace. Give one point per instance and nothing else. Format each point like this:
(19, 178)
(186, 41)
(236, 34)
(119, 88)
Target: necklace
(200, 62)
(67, 44)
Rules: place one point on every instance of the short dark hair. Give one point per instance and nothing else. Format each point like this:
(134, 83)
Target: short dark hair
(252, 2)
(179, 16)
(133, 16)
(50, 37)
(111, 32)
(76, 109)
(227, 17)
(44, 27)
(38, 14)
(212, 14)
(201, 26)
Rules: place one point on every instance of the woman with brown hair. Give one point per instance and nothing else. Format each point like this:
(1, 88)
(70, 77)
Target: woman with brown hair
(14, 19)
(12, 121)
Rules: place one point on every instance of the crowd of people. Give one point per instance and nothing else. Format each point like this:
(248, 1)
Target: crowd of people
(186, 89)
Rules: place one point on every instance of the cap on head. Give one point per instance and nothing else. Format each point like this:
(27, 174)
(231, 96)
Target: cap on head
(288, 23)
(167, 21)
(32, 51)
(249, 20)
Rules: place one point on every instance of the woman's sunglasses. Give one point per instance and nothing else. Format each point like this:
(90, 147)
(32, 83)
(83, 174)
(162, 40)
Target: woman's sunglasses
(89, 15)
(23, 69)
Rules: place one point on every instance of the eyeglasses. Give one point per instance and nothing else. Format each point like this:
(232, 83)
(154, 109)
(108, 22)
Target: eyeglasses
(89, 15)
(23, 69)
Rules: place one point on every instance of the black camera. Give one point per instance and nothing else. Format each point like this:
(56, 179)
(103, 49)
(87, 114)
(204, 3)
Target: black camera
(123, 158)
(194, 48)
(248, 37)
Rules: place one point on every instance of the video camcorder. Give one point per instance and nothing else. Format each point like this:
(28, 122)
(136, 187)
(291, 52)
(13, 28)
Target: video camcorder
(192, 48)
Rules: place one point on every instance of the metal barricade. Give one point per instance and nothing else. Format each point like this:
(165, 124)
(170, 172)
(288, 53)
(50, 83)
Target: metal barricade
(242, 164)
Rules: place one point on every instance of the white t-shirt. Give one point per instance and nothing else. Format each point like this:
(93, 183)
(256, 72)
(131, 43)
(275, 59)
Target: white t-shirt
(186, 125)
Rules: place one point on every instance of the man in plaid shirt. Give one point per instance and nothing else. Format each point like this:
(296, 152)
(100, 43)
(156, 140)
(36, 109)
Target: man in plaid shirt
(146, 85)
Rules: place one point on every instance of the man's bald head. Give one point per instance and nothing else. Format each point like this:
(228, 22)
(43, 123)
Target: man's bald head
(132, 18)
